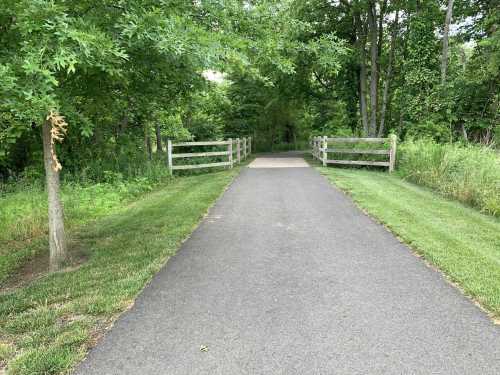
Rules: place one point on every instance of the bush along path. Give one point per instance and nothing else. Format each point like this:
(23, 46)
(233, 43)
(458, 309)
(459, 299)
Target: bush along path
(47, 326)
(287, 275)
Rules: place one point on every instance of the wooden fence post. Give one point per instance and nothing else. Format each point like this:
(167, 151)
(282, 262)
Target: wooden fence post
(325, 152)
(249, 145)
(169, 156)
(238, 150)
(244, 148)
(392, 152)
(230, 150)
(320, 147)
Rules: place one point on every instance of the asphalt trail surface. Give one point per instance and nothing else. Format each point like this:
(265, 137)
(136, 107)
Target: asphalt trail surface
(286, 276)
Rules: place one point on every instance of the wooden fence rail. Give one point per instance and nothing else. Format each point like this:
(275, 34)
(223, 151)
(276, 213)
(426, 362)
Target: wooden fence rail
(320, 150)
(236, 150)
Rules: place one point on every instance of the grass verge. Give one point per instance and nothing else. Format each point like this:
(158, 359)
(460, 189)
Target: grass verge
(23, 214)
(459, 240)
(47, 326)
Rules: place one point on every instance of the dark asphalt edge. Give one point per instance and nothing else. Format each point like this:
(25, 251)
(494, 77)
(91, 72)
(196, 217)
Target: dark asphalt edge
(412, 250)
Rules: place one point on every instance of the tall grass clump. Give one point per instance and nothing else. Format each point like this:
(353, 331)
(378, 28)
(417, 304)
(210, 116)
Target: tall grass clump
(468, 173)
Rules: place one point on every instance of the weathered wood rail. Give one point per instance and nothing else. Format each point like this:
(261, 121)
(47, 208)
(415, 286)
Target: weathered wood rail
(236, 151)
(321, 148)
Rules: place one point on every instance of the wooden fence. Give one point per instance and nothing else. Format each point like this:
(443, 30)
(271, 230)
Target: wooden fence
(322, 147)
(235, 150)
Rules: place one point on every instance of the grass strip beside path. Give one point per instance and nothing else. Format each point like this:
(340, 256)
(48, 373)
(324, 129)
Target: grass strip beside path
(459, 240)
(47, 326)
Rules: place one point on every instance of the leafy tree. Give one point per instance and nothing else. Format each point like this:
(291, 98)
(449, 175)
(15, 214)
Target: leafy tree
(95, 87)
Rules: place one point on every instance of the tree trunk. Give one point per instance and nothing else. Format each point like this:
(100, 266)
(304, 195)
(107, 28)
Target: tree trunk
(120, 131)
(57, 239)
(372, 23)
(444, 57)
(388, 77)
(362, 97)
(147, 143)
(464, 133)
(361, 44)
(383, 9)
(159, 147)
(150, 148)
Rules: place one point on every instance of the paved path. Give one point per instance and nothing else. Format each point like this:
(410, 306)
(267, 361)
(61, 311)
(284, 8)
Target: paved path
(285, 276)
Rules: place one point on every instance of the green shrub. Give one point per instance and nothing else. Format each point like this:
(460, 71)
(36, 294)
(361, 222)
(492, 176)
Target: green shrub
(468, 173)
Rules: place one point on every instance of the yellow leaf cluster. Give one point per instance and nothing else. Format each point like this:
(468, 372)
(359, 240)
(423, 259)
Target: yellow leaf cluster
(59, 128)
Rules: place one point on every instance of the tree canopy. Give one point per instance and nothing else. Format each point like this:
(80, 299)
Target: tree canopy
(124, 73)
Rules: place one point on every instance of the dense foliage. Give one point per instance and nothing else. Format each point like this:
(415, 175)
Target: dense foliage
(127, 73)
(390, 79)
(115, 70)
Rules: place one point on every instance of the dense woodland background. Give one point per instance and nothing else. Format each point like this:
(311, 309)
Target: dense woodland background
(126, 75)
(90, 90)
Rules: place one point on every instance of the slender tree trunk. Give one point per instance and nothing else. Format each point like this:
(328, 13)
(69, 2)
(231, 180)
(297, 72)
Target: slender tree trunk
(444, 57)
(57, 239)
(150, 147)
(159, 147)
(147, 143)
(388, 77)
(362, 96)
(383, 9)
(120, 133)
(464, 133)
(361, 44)
(372, 23)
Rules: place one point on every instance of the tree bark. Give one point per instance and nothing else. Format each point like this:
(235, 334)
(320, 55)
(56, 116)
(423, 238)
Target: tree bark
(372, 24)
(57, 239)
(361, 44)
(464, 133)
(120, 133)
(147, 143)
(444, 57)
(383, 9)
(159, 147)
(388, 77)
(362, 99)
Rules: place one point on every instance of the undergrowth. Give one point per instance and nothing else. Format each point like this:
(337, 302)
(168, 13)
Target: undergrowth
(467, 173)
(23, 208)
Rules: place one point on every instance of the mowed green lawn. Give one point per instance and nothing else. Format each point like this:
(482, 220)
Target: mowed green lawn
(47, 326)
(459, 240)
